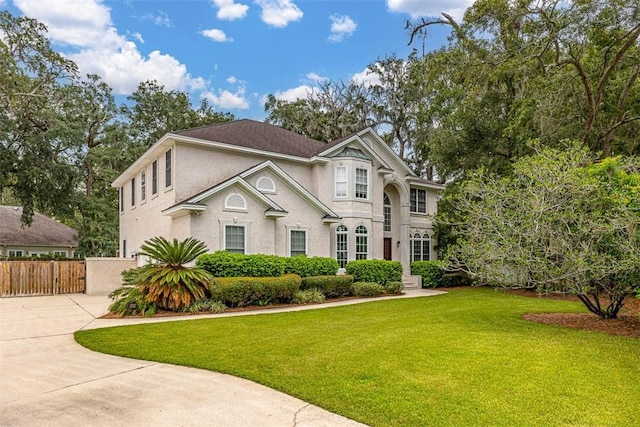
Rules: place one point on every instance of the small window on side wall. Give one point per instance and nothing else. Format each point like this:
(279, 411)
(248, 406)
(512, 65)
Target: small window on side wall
(298, 242)
(266, 185)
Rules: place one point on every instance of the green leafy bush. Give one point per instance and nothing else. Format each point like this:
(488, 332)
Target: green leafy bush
(375, 270)
(367, 289)
(308, 296)
(432, 273)
(330, 286)
(244, 291)
(128, 300)
(205, 305)
(314, 266)
(393, 288)
(225, 264)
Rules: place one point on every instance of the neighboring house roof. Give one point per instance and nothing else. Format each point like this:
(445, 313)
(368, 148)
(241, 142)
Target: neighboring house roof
(43, 231)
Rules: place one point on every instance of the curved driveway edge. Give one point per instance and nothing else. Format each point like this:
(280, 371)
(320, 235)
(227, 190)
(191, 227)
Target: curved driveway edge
(47, 379)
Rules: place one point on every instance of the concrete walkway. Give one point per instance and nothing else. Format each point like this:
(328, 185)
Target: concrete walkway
(47, 379)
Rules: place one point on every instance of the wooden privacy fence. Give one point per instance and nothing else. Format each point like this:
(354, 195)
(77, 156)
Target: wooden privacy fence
(22, 278)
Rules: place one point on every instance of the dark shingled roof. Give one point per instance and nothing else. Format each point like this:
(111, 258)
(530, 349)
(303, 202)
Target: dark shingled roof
(257, 135)
(44, 231)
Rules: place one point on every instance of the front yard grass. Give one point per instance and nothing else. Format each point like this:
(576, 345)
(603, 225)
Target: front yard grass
(465, 358)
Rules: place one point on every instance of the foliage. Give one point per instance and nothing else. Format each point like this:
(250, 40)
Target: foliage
(375, 270)
(393, 288)
(559, 223)
(314, 266)
(128, 300)
(308, 296)
(330, 286)
(432, 272)
(227, 264)
(244, 291)
(166, 281)
(205, 305)
(367, 289)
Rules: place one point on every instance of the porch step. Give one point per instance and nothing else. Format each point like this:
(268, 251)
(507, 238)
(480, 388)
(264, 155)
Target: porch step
(412, 282)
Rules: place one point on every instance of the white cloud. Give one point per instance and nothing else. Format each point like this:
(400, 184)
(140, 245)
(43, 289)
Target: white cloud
(138, 37)
(216, 35)
(291, 95)
(227, 100)
(161, 19)
(96, 46)
(433, 9)
(232, 80)
(229, 11)
(316, 77)
(278, 13)
(342, 26)
(366, 77)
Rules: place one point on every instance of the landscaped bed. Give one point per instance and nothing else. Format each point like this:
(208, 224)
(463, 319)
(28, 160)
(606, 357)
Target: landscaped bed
(464, 358)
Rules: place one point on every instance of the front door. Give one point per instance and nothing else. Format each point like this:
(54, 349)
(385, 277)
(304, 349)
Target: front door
(387, 248)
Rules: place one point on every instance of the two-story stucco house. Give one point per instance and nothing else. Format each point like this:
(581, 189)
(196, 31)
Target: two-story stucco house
(251, 187)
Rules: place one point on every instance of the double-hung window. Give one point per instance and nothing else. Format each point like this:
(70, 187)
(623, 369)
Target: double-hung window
(420, 247)
(362, 242)
(342, 247)
(298, 242)
(143, 186)
(341, 182)
(418, 200)
(362, 183)
(234, 238)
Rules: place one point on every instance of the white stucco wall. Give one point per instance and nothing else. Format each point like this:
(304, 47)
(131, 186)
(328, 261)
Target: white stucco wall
(104, 275)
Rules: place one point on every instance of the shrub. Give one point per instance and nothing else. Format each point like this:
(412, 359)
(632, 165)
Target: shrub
(314, 266)
(375, 270)
(367, 289)
(432, 273)
(330, 286)
(308, 296)
(205, 305)
(130, 301)
(393, 288)
(243, 291)
(226, 264)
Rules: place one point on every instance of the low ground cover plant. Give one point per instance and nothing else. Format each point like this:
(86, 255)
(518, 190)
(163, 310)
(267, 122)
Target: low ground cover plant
(308, 296)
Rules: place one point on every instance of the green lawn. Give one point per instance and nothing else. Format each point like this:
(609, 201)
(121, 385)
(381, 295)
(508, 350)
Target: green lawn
(465, 359)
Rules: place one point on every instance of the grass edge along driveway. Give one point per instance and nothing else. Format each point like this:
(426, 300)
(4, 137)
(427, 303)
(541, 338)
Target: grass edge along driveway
(464, 358)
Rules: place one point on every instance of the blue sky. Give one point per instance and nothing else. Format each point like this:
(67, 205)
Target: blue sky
(233, 52)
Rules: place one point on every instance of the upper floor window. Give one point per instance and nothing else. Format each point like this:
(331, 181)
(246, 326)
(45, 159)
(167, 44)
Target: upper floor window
(154, 177)
(298, 242)
(386, 207)
(236, 202)
(121, 199)
(362, 183)
(143, 186)
(341, 182)
(362, 242)
(167, 169)
(342, 247)
(266, 185)
(133, 191)
(418, 200)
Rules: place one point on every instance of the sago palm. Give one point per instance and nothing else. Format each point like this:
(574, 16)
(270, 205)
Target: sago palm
(166, 281)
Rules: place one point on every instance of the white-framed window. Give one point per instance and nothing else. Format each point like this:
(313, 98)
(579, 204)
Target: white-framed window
(154, 177)
(235, 238)
(235, 202)
(167, 169)
(420, 247)
(60, 253)
(362, 242)
(342, 245)
(121, 199)
(418, 198)
(15, 253)
(143, 186)
(341, 182)
(362, 183)
(386, 210)
(266, 185)
(297, 242)
(133, 191)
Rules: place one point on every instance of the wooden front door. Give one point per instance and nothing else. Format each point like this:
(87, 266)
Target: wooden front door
(387, 248)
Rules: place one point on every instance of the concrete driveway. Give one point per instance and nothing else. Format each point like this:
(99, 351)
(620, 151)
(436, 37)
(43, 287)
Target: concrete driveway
(47, 379)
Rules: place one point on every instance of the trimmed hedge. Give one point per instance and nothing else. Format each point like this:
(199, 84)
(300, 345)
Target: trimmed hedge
(375, 270)
(330, 286)
(244, 291)
(225, 264)
(393, 288)
(314, 266)
(367, 289)
(432, 273)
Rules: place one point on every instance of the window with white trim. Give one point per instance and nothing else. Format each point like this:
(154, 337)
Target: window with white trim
(362, 183)
(133, 191)
(341, 181)
(235, 239)
(143, 186)
(298, 242)
(420, 247)
(121, 199)
(342, 247)
(418, 198)
(386, 210)
(167, 169)
(60, 253)
(15, 253)
(362, 242)
(154, 177)
(235, 202)
(266, 185)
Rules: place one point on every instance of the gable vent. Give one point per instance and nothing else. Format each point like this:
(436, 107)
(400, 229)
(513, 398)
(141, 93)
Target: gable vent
(235, 201)
(266, 184)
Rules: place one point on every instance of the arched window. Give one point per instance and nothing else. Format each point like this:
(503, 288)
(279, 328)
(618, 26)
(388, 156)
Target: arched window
(266, 184)
(362, 242)
(420, 247)
(236, 202)
(342, 247)
(386, 206)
